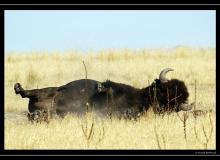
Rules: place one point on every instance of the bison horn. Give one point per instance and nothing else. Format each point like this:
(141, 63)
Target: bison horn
(186, 106)
(163, 73)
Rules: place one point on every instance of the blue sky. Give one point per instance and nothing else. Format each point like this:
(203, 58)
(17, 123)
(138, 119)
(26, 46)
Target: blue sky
(92, 29)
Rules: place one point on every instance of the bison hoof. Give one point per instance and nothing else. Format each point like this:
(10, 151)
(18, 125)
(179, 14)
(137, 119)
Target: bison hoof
(17, 88)
(38, 116)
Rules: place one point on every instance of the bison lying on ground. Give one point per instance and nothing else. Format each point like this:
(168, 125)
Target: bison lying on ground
(107, 98)
(162, 94)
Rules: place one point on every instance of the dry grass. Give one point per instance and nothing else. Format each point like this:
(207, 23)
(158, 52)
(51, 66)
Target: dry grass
(134, 67)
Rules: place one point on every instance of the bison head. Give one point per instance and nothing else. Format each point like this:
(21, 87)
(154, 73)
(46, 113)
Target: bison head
(169, 94)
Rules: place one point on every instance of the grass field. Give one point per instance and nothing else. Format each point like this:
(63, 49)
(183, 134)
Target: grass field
(134, 67)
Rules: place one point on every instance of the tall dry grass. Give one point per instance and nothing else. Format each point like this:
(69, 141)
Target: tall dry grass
(135, 67)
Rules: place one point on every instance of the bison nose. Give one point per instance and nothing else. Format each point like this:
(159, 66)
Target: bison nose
(186, 106)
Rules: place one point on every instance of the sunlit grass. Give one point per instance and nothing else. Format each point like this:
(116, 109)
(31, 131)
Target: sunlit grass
(134, 67)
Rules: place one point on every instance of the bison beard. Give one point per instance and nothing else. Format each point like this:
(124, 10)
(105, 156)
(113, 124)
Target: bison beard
(107, 98)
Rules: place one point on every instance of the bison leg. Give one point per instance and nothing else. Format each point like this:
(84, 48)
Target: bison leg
(24, 93)
(132, 114)
(34, 116)
(38, 116)
(61, 113)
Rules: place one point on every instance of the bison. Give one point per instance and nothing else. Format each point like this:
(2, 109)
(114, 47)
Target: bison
(106, 98)
(162, 95)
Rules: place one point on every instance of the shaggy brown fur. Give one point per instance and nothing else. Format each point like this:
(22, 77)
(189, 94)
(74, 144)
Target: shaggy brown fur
(169, 95)
(104, 98)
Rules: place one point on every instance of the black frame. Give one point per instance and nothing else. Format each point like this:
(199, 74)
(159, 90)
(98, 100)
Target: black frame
(103, 152)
